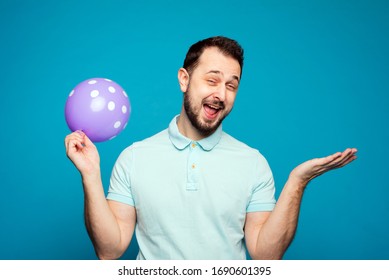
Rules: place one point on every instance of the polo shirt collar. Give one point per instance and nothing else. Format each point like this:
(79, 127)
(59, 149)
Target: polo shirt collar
(181, 142)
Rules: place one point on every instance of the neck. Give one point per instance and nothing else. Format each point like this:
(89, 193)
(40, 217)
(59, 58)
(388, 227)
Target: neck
(186, 128)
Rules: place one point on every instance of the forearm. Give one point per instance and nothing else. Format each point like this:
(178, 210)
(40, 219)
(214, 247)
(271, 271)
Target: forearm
(100, 222)
(277, 233)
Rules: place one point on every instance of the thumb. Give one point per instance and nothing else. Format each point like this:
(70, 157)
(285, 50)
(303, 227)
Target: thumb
(87, 141)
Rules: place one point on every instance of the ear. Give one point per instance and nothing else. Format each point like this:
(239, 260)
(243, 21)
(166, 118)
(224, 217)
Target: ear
(183, 79)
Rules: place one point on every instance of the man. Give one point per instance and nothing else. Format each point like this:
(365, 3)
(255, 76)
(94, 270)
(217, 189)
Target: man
(192, 191)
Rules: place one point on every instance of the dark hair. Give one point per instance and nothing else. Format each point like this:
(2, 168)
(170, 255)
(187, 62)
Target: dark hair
(226, 45)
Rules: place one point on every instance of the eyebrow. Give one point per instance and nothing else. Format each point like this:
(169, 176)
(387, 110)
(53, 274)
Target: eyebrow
(234, 77)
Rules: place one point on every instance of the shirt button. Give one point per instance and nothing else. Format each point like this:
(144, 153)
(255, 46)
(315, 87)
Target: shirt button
(193, 166)
(193, 145)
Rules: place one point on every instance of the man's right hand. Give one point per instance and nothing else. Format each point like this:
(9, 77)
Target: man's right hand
(82, 152)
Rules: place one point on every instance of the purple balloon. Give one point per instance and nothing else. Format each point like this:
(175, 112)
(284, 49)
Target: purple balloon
(99, 107)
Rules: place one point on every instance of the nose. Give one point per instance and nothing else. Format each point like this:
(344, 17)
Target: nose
(220, 93)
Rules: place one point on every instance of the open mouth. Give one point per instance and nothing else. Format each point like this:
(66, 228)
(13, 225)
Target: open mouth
(211, 110)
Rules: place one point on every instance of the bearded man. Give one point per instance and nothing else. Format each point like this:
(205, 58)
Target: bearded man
(192, 191)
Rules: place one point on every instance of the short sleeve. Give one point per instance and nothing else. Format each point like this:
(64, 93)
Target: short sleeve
(263, 190)
(120, 181)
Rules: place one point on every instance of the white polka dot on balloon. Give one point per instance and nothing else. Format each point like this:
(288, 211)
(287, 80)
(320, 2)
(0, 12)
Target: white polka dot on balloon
(124, 109)
(94, 93)
(125, 94)
(112, 89)
(108, 80)
(117, 124)
(92, 82)
(71, 93)
(111, 105)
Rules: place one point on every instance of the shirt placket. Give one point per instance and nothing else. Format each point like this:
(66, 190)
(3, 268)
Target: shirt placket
(193, 167)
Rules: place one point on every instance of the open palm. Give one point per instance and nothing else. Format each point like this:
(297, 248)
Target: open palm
(315, 167)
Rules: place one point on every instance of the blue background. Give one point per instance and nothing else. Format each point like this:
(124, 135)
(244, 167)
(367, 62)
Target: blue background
(315, 82)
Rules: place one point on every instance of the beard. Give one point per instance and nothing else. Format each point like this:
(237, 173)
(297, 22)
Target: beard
(204, 127)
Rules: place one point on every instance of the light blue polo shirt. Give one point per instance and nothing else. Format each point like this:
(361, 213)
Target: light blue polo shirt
(191, 197)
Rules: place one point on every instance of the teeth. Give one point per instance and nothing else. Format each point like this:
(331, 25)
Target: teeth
(213, 107)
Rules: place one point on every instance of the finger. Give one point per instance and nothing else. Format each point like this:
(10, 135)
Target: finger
(73, 135)
(347, 160)
(79, 145)
(347, 156)
(87, 141)
(70, 147)
(335, 156)
(329, 159)
(79, 135)
(352, 150)
(73, 146)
